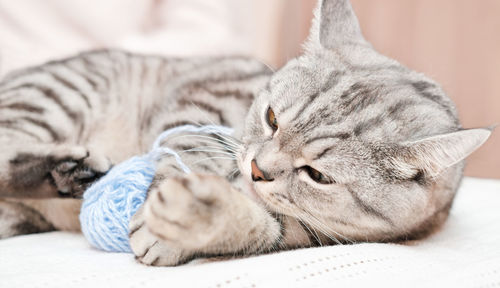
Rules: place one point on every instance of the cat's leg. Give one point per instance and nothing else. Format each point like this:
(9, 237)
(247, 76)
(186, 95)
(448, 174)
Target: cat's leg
(203, 215)
(27, 216)
(45, 170)
(29, 170)
(18, 219)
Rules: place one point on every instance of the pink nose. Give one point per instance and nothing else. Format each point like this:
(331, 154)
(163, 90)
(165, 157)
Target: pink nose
(257, 174)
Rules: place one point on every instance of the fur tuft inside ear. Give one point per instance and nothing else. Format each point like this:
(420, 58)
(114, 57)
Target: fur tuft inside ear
(434, 154)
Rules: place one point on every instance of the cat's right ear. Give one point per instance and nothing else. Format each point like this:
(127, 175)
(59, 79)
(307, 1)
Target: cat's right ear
(434, 154)
(335, 25)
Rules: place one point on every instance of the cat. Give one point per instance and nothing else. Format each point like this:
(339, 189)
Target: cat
(341, 145)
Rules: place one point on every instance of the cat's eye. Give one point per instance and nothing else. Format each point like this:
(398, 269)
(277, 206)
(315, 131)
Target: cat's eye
(271, 119)
(317, 176)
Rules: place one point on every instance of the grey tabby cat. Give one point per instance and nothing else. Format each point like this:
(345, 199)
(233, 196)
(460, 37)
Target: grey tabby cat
(340, 145)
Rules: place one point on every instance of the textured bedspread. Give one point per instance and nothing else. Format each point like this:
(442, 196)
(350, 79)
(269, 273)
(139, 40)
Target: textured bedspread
(466, 253)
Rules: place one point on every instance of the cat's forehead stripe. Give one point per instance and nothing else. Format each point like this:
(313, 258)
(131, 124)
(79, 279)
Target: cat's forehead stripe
(338, 135)
(310, 104)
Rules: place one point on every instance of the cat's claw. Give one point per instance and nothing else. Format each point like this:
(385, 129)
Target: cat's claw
(73, 176)
(66, 166)
(148, 249)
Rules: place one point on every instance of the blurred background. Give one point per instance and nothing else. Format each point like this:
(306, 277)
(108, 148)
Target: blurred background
(456, 42)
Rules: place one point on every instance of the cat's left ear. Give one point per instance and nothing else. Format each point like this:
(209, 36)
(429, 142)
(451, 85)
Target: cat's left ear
(434, 154)
(335, 25)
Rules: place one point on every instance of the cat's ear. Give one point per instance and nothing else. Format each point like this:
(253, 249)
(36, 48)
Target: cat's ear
(432, 155)
(335, 25)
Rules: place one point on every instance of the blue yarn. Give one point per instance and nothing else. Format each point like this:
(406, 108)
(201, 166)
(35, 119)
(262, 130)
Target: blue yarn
(109, 203)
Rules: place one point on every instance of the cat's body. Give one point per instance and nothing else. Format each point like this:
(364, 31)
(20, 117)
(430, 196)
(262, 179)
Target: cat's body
(113, 105)
(340, 145)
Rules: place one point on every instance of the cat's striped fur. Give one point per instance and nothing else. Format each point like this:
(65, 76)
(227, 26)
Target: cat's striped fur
(357, 148)
(109, 106)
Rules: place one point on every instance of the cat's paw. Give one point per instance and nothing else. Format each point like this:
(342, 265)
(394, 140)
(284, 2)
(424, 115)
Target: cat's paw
(148, 248)
(75, 169)
(188, 213)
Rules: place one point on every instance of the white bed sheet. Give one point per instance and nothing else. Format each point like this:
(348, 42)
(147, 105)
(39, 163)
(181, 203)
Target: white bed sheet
(466, 253)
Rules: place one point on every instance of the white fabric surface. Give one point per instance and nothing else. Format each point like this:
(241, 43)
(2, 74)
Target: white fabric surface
(465, 253)
(33, 31)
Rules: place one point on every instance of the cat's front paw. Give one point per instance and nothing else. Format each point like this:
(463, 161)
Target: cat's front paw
(148, 248)
(75, 169)
(188, 213)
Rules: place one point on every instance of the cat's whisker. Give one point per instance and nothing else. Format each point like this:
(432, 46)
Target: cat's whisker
(211, 147)
(327, 231)
(208, 138)
(208, 151)
(228, 146)
(311, 223)
(304, 224)
(208, 119)
(307, 218)
(323, 228)
(228, 140)
(215, 157)
(201, 112)
(199, 124)
(317, 236)
(232, 145)
(293, 232)
(226, 137)
(328, 235)
(233, 173)
(280, 244)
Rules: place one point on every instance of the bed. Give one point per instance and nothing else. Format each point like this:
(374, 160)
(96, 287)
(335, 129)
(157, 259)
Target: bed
(465, 253)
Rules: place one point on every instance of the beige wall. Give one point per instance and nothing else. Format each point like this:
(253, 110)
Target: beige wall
(457, 42)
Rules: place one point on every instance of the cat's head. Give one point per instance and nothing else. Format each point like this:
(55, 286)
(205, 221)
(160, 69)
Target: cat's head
(351, 142)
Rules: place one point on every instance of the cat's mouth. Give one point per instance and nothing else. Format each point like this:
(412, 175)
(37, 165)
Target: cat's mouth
(244, 164)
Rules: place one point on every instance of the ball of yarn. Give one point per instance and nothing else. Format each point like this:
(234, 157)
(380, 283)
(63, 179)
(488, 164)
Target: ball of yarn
(109, 203)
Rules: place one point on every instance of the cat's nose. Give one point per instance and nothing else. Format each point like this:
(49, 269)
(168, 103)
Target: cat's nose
(259, 175)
